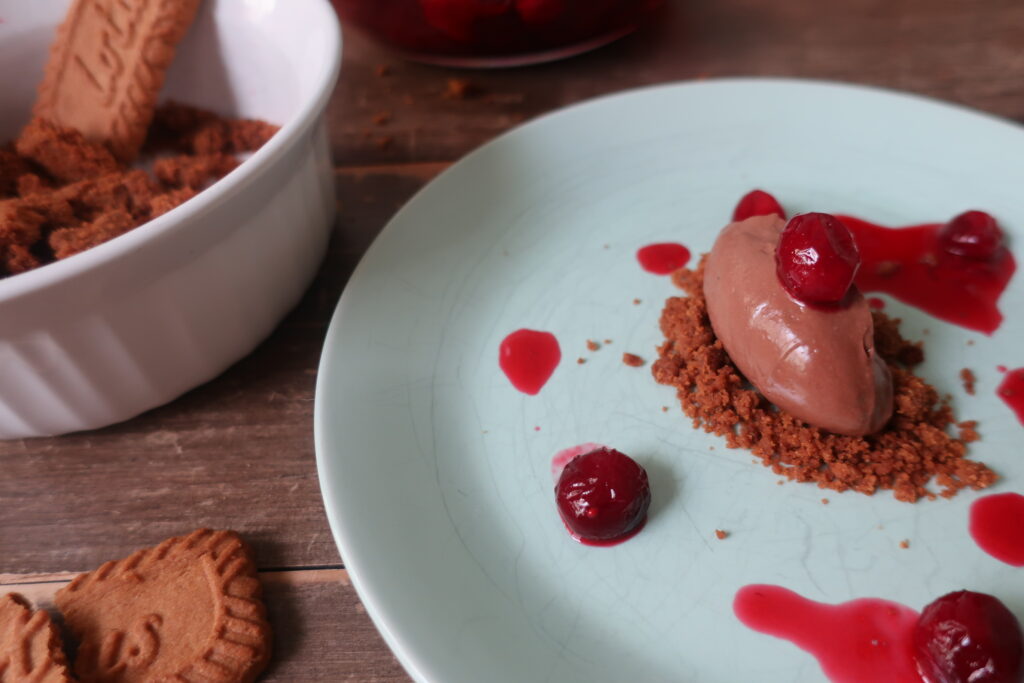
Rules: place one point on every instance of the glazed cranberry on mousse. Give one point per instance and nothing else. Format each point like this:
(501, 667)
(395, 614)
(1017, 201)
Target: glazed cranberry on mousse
(757, 203)
(816, 259)
(603, 496)
(967, 637)
(972, 234)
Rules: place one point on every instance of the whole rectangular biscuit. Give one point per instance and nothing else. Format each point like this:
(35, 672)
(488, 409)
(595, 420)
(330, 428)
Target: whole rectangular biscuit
(107, 66)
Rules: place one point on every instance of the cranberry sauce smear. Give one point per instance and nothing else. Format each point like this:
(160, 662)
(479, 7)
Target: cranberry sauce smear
(908, 264)
(997, 526)
(1011, 390)
(663, 258)
(857, 641)
(528, 358)
(606, 542)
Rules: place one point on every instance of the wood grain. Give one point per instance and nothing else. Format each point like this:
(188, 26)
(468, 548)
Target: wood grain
(959, 50)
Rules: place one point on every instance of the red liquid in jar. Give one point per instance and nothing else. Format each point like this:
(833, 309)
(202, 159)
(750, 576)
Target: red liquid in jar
(997, 526)
(1011, 390)
(908, 264)
(528, 358)
(494, 32)
(663, 258)
(854, 642)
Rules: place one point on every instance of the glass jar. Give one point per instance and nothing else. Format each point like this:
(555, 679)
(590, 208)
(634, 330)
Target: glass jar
(494, 32)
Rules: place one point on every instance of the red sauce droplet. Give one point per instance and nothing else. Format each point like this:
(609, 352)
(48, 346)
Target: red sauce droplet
(1001, 368)
(664, 258)
(528, 358)
(876, 303)
(607, 543)
(861, 640)
(908, 264)
(1011, 390)
(997, 526)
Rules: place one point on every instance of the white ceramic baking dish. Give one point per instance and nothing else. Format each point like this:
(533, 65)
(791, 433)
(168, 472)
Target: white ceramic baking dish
(131, 324)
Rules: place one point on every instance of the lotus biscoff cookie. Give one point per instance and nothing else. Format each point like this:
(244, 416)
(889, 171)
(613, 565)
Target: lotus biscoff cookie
(188, 609)
(107, 66)
(30, 649)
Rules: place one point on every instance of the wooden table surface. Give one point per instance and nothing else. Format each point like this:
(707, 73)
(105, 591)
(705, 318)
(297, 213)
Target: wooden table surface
(238, 452)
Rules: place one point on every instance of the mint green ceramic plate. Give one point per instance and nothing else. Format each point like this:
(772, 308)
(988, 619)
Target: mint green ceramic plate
(436, 478)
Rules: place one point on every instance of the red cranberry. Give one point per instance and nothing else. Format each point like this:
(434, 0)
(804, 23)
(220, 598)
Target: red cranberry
(816, 258)
(455, 18)
(757, 203)
(967, 637)
(974, 234)
(540, 11)
(602, 495)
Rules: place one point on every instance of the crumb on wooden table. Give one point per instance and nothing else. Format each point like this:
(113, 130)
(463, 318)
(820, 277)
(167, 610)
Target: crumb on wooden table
(461, 89)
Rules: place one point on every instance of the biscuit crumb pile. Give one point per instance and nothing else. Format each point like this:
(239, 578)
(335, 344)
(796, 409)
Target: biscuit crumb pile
(61, 194)
(914, 449)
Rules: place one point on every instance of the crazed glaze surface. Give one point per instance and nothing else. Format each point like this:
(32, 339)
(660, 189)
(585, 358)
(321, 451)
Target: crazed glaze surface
(819, 366)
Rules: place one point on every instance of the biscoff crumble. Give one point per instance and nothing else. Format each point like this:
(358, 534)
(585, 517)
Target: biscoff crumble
(61, 194)
(632, 360)
(968, 379)
(911, 452)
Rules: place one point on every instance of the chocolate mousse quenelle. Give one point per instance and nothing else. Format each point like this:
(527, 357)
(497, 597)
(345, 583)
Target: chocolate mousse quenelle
(781, 298)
